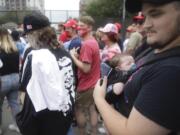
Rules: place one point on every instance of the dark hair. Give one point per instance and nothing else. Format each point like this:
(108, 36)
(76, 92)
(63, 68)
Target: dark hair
(15, 35)
(112, 36)
(48, 37)
(136, 21)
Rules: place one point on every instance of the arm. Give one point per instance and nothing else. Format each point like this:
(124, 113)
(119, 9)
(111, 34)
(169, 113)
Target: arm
(85, 67)
(117, 124)
(26, 73)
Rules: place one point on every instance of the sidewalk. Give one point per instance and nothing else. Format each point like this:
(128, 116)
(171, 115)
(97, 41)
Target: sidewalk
(7, 119)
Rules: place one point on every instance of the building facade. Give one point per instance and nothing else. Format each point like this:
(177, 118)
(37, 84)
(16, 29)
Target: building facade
(10, 5)
(2, 4)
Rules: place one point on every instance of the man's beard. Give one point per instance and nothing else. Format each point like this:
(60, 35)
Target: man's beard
(173, 37)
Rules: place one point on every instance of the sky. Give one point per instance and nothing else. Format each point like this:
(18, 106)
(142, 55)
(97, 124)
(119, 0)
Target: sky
(62, 4)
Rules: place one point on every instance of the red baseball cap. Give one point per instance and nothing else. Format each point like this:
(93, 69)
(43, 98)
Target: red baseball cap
(118, 25)
(140, 16)
(71, 23)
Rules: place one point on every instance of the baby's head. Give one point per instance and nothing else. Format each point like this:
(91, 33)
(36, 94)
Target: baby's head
(122, 61)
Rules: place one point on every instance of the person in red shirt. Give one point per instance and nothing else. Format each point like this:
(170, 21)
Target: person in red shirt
(88, 63)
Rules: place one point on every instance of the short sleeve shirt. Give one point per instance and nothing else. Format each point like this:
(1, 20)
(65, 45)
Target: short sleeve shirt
(89, 53)
(154, 90)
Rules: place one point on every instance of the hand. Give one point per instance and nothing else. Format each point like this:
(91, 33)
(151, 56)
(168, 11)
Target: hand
(100, 89)
(73, 52)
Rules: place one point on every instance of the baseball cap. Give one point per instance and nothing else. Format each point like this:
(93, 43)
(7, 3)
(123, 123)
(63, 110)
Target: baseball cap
(136, 5)
(118, 25)
(109, 28)
(71, 23)
(35, 21)
(140, 16)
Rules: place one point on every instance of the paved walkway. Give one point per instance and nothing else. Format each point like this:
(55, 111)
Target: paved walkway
(7, 119)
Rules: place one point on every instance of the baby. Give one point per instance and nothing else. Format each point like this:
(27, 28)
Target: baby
(122, 63)
(122, 66)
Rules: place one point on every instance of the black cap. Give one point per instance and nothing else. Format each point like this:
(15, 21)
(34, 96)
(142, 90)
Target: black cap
(35, 21)
(136, 5)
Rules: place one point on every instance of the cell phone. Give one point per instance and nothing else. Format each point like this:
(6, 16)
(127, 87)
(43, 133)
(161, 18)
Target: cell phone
(105, 70)
(101, 81)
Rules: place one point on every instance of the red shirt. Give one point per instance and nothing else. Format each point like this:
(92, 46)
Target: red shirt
(89, 53)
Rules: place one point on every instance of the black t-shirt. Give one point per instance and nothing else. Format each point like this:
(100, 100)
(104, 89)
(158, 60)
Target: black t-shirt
(154, 90)
(9, 63)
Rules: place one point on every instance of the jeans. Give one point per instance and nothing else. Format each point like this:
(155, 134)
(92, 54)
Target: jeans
(9, 89)
(70, 131)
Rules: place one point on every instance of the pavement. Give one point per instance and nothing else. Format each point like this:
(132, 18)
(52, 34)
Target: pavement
(7, 119)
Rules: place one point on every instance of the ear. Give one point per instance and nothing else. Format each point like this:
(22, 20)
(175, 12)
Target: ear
(90, 28)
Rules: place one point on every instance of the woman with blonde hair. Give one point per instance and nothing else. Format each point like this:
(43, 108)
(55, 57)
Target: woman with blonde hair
(9, 71)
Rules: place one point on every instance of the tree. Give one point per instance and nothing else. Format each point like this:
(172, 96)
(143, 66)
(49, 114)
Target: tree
(105, 8)
(13, 16)
(104, 11)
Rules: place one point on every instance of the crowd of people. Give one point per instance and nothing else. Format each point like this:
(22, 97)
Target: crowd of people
(84, 76)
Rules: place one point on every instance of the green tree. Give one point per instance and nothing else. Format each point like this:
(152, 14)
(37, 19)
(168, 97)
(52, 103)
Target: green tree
(13, 16)
(104, 11)
(105, 8)
(8, 17)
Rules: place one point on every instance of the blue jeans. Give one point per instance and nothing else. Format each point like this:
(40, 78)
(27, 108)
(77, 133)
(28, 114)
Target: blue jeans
(9, 89)
(70, 131)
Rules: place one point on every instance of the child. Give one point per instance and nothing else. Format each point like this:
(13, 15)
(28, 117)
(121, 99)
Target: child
(121, 66)
(118, 70)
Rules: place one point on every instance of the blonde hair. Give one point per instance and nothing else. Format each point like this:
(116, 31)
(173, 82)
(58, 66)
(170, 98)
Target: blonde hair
(43, 38)
(6, 42)
(117, 59)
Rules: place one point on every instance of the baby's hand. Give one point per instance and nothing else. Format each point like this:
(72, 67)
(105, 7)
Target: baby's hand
(118, 88)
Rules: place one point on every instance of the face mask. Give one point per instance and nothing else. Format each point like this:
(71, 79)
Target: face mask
(68, 34)
(83, 31)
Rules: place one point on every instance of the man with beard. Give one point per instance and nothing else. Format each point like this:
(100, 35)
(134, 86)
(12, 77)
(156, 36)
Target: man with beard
(151, 95)
(88, 63)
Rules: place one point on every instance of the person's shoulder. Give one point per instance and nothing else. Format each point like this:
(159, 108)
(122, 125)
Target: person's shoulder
(60, 52)
(136, 35)
(170, 62)
(90, 40)
(75, 41)
(169, 65)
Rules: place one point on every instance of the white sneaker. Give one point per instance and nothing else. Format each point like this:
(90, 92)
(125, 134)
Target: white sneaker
(13, 128)
(102, 130)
